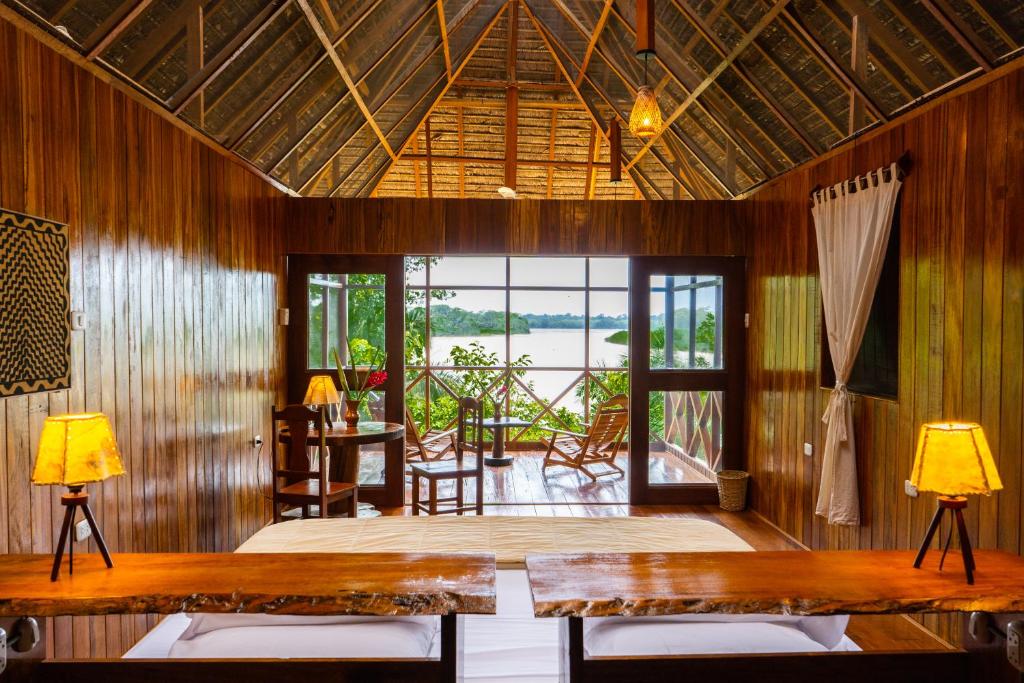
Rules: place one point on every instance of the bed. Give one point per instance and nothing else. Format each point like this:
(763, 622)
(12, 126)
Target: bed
(511, 645)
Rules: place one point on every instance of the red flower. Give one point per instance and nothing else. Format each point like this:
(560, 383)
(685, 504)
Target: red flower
(376, 379)
(502, 391)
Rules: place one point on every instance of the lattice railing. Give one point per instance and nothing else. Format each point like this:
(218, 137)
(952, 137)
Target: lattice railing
(693, 426)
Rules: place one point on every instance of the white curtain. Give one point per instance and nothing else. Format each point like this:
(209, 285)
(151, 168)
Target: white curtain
(853, 233)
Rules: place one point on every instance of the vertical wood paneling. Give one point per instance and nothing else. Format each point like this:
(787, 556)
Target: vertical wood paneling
(175, 260)
(961, 324)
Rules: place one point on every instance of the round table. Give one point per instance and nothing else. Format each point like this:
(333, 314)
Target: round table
(344, 444)
(498, 457)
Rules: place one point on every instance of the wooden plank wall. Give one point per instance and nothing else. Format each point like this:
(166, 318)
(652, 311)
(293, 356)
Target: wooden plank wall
(961, 324)
(499, 226)
(175, 261)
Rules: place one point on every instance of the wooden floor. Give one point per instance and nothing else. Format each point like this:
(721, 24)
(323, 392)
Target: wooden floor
(526, 482)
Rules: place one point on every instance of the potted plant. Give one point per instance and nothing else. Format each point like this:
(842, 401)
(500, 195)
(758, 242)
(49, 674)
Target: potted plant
(363, 380)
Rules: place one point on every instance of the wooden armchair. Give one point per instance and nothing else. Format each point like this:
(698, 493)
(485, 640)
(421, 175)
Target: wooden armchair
(433, 444)
(599, 445)
(297, 484)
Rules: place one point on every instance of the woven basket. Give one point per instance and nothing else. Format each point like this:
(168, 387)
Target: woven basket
(732, 490)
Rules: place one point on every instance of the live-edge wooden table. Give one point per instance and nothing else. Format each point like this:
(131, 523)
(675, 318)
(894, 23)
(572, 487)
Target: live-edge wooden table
(381, 584)
(780, 582)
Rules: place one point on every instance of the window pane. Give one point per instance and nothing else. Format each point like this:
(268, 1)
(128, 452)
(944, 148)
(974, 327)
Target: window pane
(685, 436)
(345, 310)
(548, 272)
(559, 389)
(548, 328)
(609, 272)
(686, 317)
(468, 271)
(609, 329)
(416, 271)
(468, 328)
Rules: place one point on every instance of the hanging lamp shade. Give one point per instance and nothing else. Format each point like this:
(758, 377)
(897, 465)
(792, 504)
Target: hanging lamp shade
(645, 119)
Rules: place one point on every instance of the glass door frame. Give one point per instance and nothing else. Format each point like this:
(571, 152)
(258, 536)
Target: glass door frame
(300, 267)
(731, 379)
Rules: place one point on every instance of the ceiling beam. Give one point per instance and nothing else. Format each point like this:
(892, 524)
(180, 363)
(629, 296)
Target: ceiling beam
(962, 33)
(588, 181)
(430, 110)
(552, 131)
(594, 117)
(417, 156)
(892, 46)
(597, 88)
(598, 29)
(768, 17)
(332, 53)
(164, 39)
(105, 40)
(485, 84)
(215, 66)
(986, 16)
(443, 30)
(462, 150)
(795, 128)
(859, 66)
(512, 96)
(430, 160)
(297, 82)
(838, 71)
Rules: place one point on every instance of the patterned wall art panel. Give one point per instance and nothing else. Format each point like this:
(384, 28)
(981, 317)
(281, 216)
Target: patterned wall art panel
(35, 338)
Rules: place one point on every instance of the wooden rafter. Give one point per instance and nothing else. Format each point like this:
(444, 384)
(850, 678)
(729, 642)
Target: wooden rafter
(430, 160)
(760, 89)
(859, 66)
(299, 81)
(961, 32)
(502, 84)
(588, 181)
(443, 30)
(164, 39)
(756, 155)
(597, 88)
(893, 47)
(105, 40)
(551, 151)
(430, 110)
(297, 142)
(768, 17)
(498, 161)
(838, 71)
(986, 16)
(332, 53)
(462, 150)
(594, 118)
(216, 65)
(512, 96)
(598, 29)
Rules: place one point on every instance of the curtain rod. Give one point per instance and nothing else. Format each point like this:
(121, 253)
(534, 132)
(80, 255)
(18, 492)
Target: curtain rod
(903, 166)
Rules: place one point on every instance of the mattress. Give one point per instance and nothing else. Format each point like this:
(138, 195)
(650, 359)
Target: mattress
(509, 538)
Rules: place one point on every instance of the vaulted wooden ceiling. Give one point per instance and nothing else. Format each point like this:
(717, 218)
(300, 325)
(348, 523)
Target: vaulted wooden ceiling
(416, 97)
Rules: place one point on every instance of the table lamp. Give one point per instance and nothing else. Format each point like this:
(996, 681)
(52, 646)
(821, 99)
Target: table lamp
(75, 450)
(322, 392)
(953, 460)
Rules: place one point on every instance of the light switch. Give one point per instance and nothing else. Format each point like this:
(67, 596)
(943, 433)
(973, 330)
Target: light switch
(78, 320)
(808, 449)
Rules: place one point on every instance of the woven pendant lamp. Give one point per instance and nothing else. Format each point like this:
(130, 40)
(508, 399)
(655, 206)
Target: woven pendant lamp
(645, 119)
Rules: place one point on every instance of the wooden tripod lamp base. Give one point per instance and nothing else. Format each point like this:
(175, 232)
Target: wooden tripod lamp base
(74, 499)
(955, 505)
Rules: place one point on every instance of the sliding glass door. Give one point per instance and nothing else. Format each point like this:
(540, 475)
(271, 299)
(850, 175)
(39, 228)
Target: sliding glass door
(686, 376)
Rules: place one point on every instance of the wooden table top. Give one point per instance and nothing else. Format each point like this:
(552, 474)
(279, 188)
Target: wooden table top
(364, 433)
(777, 582)
(280, 583)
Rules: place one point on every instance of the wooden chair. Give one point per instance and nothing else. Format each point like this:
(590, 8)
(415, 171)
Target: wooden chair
(433, 444)
(599, 445)
(469, 439)
(297, 484)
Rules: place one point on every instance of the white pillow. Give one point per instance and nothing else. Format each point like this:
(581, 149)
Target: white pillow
(201, 623)
(828, 630)
(384, 639)
(638, 637)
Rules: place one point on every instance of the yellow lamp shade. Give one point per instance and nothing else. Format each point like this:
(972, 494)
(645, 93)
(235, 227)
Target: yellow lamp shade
(645, 119)
(953, 458)
(321, 391)
(75, 450)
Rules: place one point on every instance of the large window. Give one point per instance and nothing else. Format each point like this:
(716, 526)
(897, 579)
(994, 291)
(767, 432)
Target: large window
(544, 338)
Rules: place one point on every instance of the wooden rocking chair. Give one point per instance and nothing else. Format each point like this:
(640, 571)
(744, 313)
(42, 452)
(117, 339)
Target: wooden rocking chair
(431, 445)
(599, 445)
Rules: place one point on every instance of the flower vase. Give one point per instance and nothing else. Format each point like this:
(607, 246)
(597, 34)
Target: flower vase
(497, 411)
(352, 413)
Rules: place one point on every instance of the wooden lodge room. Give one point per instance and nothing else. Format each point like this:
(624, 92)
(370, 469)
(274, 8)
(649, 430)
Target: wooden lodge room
(512, 341)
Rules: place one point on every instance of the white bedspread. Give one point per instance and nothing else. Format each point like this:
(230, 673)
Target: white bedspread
(509, 538)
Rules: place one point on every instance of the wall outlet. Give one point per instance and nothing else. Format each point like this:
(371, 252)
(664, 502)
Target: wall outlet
(78, 320)
(256, 441)
(808, 449)
(82, 530)
(910, 489)
(1015, 644)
